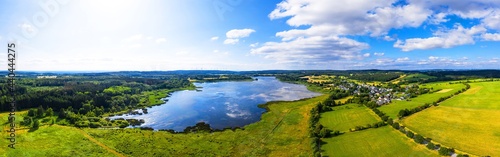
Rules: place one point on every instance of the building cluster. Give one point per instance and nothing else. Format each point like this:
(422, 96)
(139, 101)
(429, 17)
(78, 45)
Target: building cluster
(380, 95)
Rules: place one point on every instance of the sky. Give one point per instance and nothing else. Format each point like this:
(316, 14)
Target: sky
(240, 35)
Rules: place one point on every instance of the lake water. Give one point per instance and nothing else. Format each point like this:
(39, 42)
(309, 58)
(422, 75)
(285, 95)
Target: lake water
(220, 104)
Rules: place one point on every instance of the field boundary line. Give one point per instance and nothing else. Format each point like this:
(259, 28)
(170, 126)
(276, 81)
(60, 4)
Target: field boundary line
(98, 143)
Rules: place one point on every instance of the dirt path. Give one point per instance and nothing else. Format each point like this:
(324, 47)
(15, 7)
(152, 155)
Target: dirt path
(97, 142)
(100, 144)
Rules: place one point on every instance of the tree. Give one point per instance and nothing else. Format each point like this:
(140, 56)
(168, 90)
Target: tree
(419, 139)
(395, 125)
(27, 121)
(32, 112)
(445, 151)
(409, 134)
(49, 112)
(325, 133)
(36, 124)
(431, 146)
(40, 111)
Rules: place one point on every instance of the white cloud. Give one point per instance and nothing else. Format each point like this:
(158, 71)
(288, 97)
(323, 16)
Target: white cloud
(254, 45)
(382, 61)
(214, 38)
(491, 37)
(239, 33)
(360, 17)
(439, 18)
(27, 27)
(366, 55)
(134, 38)
(312, 49)
(314, 29)
(402, 59)
(234, 35)
(161, 40)
(375, 17)
(231, 41)
(493, 20)
(442, 39)
(433, 58)
(388, 38)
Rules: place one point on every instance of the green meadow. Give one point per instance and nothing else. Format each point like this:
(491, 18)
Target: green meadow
(440, 89)
(48, 140)
(348, 116)
(467, 122)
(383, 141)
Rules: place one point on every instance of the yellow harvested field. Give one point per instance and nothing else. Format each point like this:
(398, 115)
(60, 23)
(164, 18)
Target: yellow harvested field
(469, 122)
(444, 90)
(473, 90)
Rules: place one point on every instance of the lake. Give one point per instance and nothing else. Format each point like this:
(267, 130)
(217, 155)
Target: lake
(220, 104)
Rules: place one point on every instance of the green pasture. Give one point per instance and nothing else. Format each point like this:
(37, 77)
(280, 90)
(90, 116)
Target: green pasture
(348, 116)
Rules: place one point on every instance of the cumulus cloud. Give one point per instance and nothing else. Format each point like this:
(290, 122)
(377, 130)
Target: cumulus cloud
(359, 17)
(231, 41)
(239, 33)
(442, 39)
(254, 45)
(312, 49)
(366, 55)
(214, 38)
(491, 36)
(388, 38)
(327, 30)
(327, 34)
(234, 35)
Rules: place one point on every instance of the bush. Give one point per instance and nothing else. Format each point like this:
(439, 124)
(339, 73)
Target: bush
(445, 151)
(395, 125)
(409, 134)
(95, 124)
(431, 146)
(82, 124)
(419, 139)
(36, 124)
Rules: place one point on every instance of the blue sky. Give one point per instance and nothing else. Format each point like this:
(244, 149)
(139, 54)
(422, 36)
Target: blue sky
(69, 35)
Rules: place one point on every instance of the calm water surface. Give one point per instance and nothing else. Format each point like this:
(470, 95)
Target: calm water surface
(221, 104)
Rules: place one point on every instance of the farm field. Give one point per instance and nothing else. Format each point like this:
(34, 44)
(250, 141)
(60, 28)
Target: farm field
(348, 116)
(383, 141)
(467, 122)
(442, 89)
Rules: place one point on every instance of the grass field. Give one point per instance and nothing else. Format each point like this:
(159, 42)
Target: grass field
(343, 100)
(417, 77)
(384, 141)
(348, 116)
(443, 89)
(469, 122)
(48, 141)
